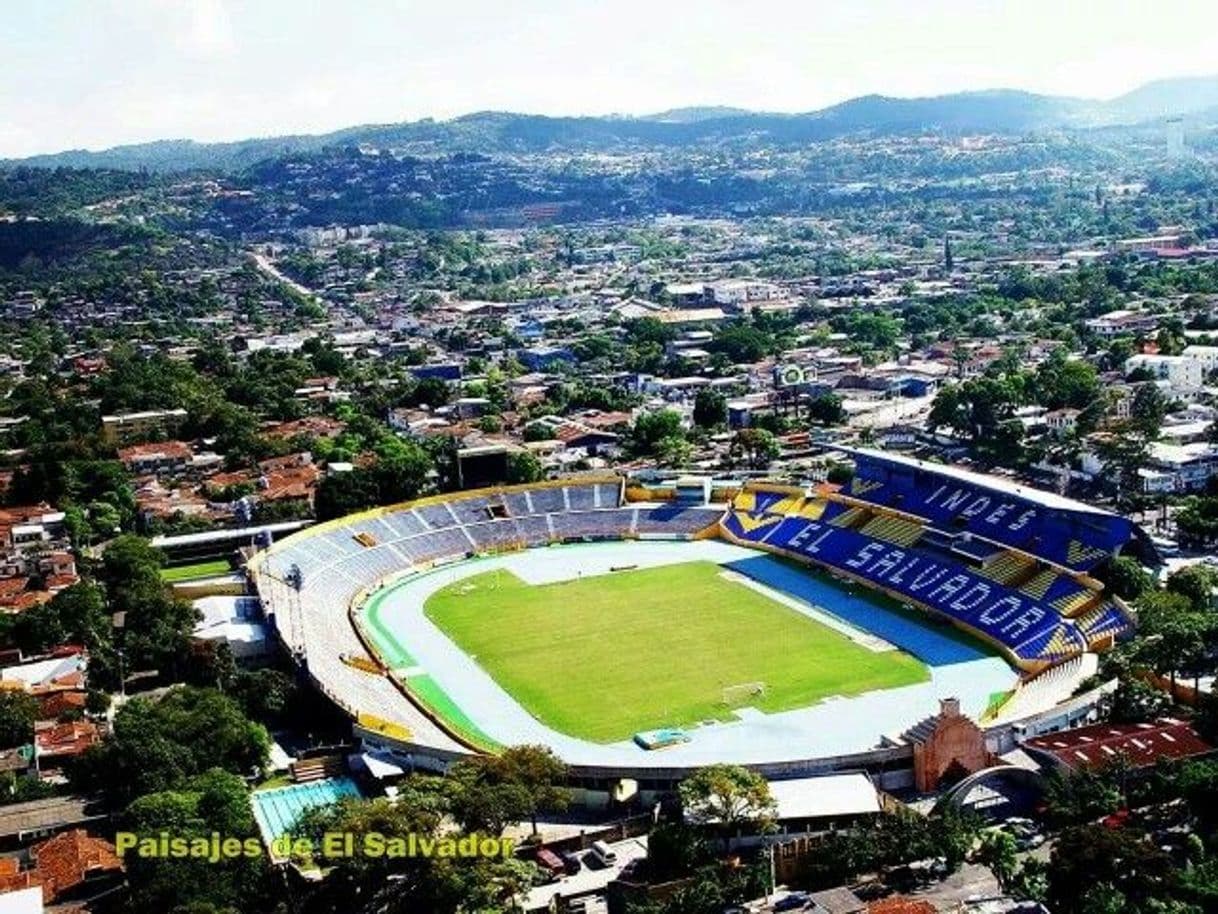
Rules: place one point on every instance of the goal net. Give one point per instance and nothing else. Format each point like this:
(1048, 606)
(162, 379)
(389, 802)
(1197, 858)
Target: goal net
(742, 693)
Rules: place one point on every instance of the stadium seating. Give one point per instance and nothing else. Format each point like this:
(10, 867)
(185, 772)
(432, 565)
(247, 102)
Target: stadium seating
(671, 519)
(1060, 531)
(547, 501)
(581, 498)
(1029, 630)
(336, 562)
(973, 558)
(437, 517)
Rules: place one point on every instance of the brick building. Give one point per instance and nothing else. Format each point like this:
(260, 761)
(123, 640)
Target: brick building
(948, 744)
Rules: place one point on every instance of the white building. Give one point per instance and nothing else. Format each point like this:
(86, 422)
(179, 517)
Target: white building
(1124, 322)
(1177, 370)
(1189, 466)
(1206, 355)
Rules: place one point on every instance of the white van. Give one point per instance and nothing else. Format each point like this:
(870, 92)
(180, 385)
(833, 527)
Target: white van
(603, 853)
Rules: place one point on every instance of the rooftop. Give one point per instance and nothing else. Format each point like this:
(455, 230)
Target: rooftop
(1139, 744)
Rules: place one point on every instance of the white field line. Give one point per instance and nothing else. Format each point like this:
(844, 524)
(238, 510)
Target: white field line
(855, 634)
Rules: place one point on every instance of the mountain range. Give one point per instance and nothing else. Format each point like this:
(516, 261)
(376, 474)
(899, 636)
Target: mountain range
(1194, 99)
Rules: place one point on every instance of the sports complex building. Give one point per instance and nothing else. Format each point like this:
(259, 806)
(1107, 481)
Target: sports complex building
(642, 631)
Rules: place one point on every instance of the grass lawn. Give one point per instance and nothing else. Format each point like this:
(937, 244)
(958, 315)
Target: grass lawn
(603, 657)
(198, 570)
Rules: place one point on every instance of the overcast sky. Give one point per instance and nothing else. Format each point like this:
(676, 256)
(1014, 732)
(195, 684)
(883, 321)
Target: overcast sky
(96, 73)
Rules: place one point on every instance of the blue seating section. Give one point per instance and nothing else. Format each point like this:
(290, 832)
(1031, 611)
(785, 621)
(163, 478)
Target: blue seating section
(1031, 630)
(674, 519)
(1107, 620)
(1075, 538)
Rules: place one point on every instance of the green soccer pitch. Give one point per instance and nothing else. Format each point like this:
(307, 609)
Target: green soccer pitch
(604, 657)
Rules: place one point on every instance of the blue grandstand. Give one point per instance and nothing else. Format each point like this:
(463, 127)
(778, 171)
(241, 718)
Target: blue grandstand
(1004, 562)
(1061, 530)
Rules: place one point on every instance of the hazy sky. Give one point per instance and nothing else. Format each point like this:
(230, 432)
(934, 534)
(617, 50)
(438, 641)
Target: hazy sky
(95, 73)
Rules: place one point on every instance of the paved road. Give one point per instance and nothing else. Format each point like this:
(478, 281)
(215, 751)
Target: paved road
(265, 265)
(587, 879)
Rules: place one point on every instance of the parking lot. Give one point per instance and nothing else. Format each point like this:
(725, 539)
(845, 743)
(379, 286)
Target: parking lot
(589, 879)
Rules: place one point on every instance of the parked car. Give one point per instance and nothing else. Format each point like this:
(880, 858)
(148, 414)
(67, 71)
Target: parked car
(792, 902)
(551, 863)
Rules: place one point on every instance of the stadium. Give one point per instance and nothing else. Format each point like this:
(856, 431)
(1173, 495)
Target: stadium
(642, 630)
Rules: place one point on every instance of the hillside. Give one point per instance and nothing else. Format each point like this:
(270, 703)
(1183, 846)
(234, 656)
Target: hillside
(492, 132)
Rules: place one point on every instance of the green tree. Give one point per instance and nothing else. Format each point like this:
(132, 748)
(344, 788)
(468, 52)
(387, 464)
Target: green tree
(710, 409)
(1146, 411)
(534, 772)
(728, 797)
(212, 802)
(756, 446)
(1095, 868)
(998, 852)
(1126, 577)
(1195, 583)
(18, 711)
(982, 411)
(523, 466)
(159, 745)
(652, 428)
(76, 614)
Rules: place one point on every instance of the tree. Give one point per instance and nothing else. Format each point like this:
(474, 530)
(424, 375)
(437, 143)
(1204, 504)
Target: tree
(1175, 635)
(758, 447)
(1080, 796)
(130, 560)
(742, 343)
(537, 771)
(76, 614)
(481, 802)
(710, 409)
(982, 410)
(1195, 583)
(729, 797)
(1126, 577)
(1122, 456)
(674, 451)
(159, 745)
(1090, 862)
(1061, 382)
(826, 409)
(18, 711)
(264, 694)
(212, 802)
(998, 852)
(1146, 410)
(839, 474)
(652, 428)
(411, 883)
(523, 466)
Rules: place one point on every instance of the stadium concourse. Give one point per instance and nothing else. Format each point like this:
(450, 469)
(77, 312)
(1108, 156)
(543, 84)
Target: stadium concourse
(907, 547)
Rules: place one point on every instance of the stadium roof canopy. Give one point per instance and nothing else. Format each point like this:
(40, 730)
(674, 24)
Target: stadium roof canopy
(228, 533)
(980, 480)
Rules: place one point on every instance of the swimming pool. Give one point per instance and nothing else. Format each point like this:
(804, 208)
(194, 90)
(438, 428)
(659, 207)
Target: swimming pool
(277, 810)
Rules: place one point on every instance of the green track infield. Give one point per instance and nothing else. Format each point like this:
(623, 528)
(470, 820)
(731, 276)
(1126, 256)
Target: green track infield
(604, 657)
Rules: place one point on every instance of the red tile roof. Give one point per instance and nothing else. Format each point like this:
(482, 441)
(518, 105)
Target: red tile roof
(68, 859)
(53, 705)
(161, 449)
(66, 739)
(899, 904)
(13, 878)
(1138, 744)
(12, 586)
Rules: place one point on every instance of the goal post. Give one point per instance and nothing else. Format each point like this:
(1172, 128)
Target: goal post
(742, 693)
